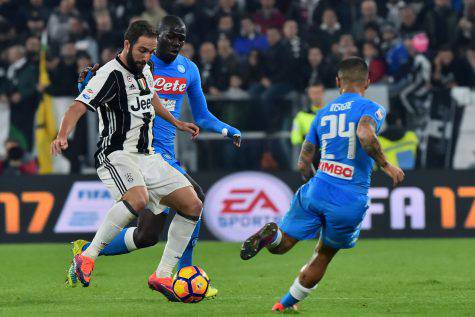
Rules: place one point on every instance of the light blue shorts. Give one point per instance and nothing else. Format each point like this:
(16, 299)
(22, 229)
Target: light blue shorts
(331, 210)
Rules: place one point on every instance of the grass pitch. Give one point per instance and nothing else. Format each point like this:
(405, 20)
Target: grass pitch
(377, 278)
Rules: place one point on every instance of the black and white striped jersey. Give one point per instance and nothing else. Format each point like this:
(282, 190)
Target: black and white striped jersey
(123, 102)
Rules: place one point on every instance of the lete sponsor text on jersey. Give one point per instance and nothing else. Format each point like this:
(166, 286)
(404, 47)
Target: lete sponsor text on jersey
(169, 85)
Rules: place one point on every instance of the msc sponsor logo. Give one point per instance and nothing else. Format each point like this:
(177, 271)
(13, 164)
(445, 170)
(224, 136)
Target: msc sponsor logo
(239, 204)
(169, 85)
(336, 169)
(85, 208)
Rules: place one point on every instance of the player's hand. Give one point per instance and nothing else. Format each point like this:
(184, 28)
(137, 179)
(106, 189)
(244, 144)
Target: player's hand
(188, 127)
(58, 145)
(85, 75)
(396, 174)
(234, 134)
(237, 140)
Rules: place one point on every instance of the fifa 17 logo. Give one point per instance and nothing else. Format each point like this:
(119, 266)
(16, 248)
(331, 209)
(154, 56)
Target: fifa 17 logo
(142, 104)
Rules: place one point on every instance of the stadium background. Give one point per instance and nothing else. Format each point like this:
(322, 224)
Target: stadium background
(257, 60)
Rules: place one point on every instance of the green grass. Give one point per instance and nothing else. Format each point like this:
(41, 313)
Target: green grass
(379, 277)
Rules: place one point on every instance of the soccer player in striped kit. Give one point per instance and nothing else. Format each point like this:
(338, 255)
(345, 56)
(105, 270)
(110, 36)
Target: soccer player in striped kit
(174, 77)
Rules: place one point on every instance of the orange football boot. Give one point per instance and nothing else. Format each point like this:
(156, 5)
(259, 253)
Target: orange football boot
(163, 285)
(83, 267)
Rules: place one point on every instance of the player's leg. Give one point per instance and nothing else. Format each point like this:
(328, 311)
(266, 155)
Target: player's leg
(131, 197)
(309, 277)
(188, 207)
(146, 234)
(343, 213)
(187, 257)
(172, 190)
(188, 211)
(299, 223)
(148, 230)
(120, 215)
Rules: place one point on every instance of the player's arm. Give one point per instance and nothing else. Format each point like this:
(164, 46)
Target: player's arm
(70, 119)
(167, 116)
(203, 117)
(366, 133)
(85, 76)
(305, 164)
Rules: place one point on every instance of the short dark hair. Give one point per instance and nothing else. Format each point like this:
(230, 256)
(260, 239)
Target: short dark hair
(137, 29)
(353, 69)
(170, 21)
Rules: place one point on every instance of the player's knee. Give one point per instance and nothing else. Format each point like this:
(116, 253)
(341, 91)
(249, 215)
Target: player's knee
(193, 208)
(137, 197)
(146, 239)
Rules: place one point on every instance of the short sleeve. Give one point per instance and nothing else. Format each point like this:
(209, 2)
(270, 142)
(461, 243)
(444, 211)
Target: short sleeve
(312, 135)
(376, 112)
(149, 78)
(100, 89)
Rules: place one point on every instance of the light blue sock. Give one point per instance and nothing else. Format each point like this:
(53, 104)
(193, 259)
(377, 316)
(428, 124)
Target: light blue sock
(288, 300)
(187, 257)
(116, 247)
(296, 293)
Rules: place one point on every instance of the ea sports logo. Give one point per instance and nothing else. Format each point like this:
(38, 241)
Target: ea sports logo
(240, 204)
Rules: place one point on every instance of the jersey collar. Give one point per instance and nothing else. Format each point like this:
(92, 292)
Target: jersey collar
(161, 62)
(125, 66)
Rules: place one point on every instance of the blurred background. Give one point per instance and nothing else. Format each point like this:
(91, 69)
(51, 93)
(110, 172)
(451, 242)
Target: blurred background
(267, 66)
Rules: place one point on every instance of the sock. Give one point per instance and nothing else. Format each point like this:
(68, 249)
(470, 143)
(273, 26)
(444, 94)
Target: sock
(277, 240)
(187, 257)
(296, 293)
(288, 300)
(116, 219)
(129, 239)
(179, 235)
(121, 244)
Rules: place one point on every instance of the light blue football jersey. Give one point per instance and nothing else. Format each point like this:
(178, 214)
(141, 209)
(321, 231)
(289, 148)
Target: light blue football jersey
(343, 160)
(172, 82)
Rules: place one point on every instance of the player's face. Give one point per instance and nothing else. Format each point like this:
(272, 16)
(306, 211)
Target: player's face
(139, 54)
(170, 42)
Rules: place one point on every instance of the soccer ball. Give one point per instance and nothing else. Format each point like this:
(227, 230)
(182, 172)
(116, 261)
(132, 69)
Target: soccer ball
(191, 284)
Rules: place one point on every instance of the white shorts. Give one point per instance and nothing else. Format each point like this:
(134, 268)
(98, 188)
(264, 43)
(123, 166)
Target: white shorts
(123, 170)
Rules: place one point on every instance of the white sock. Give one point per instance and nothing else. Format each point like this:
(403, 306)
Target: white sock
(298, 291)
(129, 239)
(277, 240)
(116, 219)
(179, 234)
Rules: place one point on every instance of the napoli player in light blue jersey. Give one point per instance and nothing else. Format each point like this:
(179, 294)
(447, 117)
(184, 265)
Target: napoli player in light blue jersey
(333, 202)
(174, 76)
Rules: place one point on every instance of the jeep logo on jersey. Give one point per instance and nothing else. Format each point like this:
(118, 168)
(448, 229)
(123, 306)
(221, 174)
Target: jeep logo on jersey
(240, 204)
(169, 85)
(142, 105)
